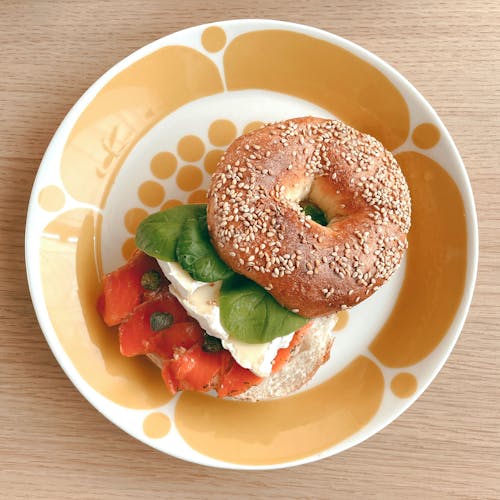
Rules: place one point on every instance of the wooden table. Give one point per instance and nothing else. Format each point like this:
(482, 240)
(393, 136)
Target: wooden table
(53, 444)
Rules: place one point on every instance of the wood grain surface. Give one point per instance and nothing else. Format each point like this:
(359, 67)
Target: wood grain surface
(54, 444)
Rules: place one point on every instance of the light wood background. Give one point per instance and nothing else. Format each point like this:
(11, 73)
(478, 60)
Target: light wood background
(53, 444)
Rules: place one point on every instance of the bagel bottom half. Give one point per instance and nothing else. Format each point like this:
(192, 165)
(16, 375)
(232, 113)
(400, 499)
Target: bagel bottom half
(305, 360)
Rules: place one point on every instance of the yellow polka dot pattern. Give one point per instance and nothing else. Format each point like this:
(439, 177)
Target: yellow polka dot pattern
(198, 196)
(426, 135)
(171, 203)
(127, 248)
(190, 148)
(165, 165)
(404, 385)
(253, 126)
(51, 198)
(189, 177)
(151, 193)
(212, 159)
(222, 132)
(156, 425)
(213, 39)
(133, 218)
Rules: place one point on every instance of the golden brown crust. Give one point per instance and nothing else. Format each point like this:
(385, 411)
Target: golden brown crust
(259, 229)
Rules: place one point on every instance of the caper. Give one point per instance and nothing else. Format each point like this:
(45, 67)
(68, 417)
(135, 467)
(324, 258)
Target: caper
(160, 320)
(211, 344)
(151, 280)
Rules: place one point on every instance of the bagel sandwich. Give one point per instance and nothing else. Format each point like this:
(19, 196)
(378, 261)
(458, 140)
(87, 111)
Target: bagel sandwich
(304, 218)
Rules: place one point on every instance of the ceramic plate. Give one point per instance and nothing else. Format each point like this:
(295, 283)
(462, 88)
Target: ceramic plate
(147, 135)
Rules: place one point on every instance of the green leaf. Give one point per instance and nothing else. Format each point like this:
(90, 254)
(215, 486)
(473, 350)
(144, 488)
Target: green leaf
(250, 314)
(315, 213)
(196, 254)
(157, 235)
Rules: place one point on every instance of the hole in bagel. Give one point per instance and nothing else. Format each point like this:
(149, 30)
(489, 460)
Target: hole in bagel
(321, 200)
(325, 194)
(316, 214)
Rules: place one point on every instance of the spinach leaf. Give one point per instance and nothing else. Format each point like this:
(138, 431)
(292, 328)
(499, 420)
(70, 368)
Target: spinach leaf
(157, 235)
(250, 314)
(315, 213)
(196, 254)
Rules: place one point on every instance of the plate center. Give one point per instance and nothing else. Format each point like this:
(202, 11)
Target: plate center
(173, 163)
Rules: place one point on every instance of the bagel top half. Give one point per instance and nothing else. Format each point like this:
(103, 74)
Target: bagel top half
(259, 229)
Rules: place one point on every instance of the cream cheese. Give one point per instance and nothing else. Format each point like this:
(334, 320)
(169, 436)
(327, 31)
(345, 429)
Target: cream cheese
(201, 301)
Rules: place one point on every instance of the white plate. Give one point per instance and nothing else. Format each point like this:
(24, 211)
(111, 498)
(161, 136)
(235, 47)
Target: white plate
(147, 134)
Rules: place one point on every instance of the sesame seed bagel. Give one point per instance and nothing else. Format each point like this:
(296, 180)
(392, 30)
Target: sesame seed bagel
(259, 229)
